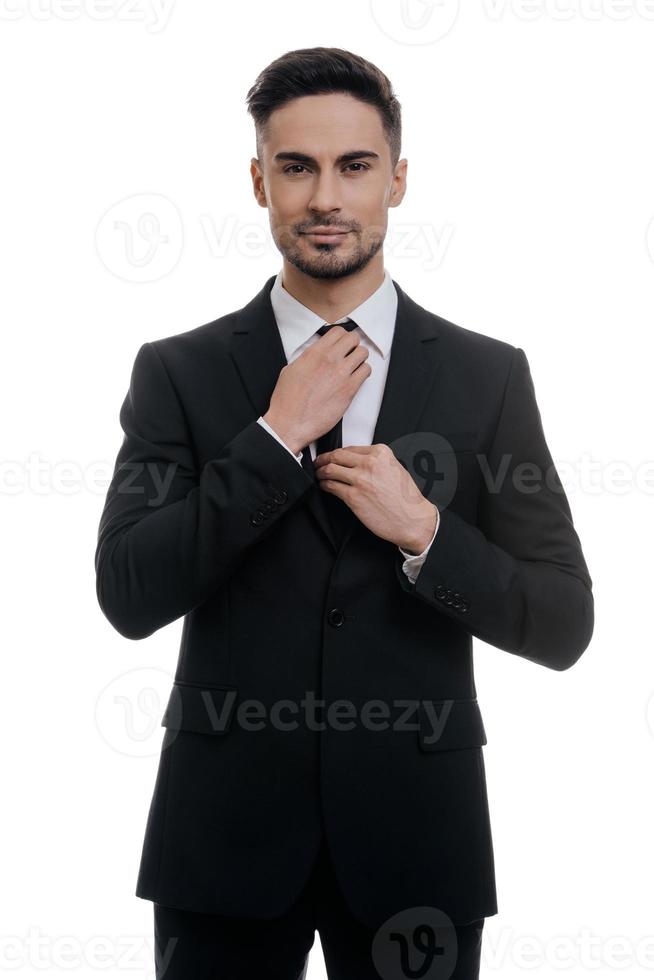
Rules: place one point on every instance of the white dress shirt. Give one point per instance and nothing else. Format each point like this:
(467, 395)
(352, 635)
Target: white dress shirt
(375, 319)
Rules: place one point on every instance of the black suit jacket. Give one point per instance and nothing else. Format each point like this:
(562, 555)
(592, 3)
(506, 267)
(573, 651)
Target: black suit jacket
(208, 517)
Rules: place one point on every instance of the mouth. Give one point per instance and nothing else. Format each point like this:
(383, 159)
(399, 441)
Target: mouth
(326, 236)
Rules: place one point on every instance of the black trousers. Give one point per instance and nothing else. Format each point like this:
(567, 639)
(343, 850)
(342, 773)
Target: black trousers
(196, 946)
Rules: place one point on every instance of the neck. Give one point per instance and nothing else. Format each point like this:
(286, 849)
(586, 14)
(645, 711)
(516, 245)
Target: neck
(332, 299)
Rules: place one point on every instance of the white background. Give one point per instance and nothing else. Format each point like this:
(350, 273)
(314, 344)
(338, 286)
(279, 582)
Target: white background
(528, 217)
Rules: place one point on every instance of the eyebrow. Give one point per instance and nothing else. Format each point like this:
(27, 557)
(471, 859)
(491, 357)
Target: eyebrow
(343, 158)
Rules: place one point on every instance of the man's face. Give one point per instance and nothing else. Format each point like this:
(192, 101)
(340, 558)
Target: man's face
(326, 162)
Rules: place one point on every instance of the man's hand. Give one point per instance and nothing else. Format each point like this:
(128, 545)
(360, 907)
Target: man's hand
(313, 392)
(380, 492)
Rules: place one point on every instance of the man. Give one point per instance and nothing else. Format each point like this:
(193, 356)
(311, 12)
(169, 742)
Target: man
(329, 485)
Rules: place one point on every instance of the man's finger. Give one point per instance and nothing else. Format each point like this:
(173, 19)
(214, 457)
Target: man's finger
(332, 456)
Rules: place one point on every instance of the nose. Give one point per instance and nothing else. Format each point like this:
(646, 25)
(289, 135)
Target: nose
(325, 196)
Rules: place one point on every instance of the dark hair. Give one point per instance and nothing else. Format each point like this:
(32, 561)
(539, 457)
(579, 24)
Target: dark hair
(314, 71)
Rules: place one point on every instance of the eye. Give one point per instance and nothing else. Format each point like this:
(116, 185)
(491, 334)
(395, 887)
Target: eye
(296, 168)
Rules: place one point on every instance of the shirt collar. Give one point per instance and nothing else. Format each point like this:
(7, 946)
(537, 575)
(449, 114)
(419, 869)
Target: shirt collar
(297, 323)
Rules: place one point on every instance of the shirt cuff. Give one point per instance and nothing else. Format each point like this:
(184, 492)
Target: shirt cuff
(411, 567)
(272, 432)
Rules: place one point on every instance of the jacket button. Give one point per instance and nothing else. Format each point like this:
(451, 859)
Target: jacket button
(439, 591)
(257, 518)
(270, 506)
(280, 496)
(336, 617)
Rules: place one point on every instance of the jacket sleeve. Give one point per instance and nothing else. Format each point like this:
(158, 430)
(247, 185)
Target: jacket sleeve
(517, 579)
(170, 534)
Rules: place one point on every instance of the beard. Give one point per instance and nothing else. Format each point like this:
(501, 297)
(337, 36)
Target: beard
(324, 261)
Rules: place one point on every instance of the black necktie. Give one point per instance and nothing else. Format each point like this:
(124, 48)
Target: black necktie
(338, 511)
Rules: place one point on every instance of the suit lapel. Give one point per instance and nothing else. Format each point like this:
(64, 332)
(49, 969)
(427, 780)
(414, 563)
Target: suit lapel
(415, 357)
(258, 352)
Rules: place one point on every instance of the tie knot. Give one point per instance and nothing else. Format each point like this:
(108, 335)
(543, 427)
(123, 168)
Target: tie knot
(348, 324)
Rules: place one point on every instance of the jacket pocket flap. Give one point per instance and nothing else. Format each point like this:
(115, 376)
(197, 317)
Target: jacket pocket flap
(450, 724)
(200, 708)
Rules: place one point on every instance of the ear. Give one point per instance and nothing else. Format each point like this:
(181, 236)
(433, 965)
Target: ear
(398, 189)
(256, 173)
